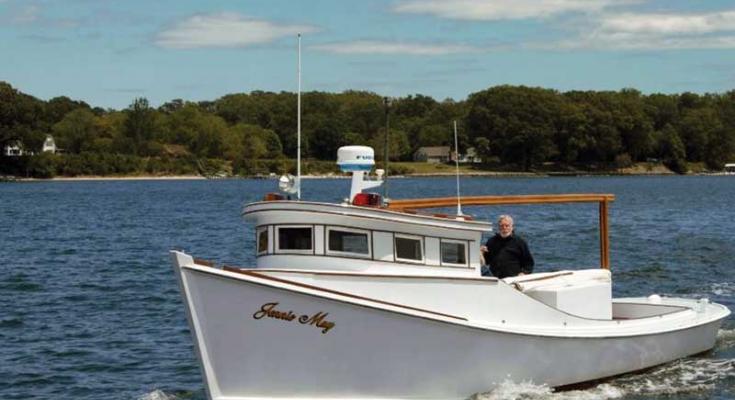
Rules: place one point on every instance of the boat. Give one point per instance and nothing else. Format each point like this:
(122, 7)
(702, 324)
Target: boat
(373, 299)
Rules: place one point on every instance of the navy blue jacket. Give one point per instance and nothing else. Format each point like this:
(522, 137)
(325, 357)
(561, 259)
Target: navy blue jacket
(508, 256)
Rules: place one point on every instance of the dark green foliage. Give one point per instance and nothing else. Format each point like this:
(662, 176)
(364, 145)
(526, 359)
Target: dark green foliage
(511, 127)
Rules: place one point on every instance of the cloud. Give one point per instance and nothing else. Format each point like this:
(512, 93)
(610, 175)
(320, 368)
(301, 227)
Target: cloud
(479, 10)
(378, 47)
(669, 23)
(651, 31)
(40, 38)
(33, 14)
(27, 14)
(225, 30)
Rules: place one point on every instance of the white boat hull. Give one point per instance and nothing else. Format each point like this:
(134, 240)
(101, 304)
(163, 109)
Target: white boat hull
(331, 348)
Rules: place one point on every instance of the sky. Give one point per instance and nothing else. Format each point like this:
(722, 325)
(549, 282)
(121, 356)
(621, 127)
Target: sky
(108, 53)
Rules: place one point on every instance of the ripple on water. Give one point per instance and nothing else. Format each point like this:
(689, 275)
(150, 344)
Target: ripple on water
(10, 323)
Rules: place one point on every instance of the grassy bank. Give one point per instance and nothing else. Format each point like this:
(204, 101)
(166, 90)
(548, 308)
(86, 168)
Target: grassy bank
(46, 166)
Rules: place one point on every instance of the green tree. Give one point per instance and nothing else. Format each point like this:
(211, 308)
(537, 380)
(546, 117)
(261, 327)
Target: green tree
(139, 128)
(76, 132)
(21, 118)
(518, 122)
(673, 150)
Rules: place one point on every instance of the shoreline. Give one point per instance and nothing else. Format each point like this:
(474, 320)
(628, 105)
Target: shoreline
(490, 174)
(113, 178)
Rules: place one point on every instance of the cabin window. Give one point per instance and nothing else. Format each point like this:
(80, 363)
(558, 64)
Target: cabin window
(454, 253)
(297, 239)
(409, 248)
(348, 241)
(262, 240)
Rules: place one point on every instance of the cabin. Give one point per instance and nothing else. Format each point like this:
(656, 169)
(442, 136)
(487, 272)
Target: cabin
(435, 154)
(325, 236)
(730, 168)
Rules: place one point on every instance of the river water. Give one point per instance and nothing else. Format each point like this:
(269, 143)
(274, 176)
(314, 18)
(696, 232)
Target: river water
(89, 307)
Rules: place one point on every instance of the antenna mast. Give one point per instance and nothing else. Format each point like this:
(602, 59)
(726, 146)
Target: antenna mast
(386, 102)
(298, 126)
(456, 163)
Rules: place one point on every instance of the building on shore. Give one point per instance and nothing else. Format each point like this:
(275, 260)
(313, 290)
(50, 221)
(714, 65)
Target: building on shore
(14, 149)
(49, 145)
(434, 154)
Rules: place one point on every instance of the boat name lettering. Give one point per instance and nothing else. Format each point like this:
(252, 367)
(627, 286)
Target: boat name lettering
(318, 320)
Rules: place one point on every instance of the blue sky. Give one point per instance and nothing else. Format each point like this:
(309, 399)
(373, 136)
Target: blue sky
(108, 52)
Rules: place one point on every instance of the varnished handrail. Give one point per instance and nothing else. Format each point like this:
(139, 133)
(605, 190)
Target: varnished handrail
(602, 199)
(500, 200)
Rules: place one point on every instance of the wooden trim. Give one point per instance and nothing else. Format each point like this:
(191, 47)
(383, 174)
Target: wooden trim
(499, 200)
(206, 263)
(304, 285)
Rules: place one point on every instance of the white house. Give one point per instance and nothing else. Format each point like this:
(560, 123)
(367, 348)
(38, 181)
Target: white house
(13, 149)
(49, 146)
(470, 157)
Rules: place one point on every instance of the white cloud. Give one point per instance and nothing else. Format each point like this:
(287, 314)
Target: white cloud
(484, 10)
(27, 15)
(670, 23)
(658, 32)
(644, 42)
(378, 47)
(225, 30)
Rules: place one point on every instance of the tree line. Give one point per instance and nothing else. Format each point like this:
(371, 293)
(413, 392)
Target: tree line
(516, 127)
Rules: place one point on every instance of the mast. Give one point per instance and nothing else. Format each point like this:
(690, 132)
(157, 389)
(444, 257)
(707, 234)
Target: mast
(456, 163)
(298, 126)
(386, 101)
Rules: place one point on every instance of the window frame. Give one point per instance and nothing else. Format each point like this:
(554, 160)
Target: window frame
(277, 236)
(258, 231)
(454, 241)
(417, 238)
(330, 252)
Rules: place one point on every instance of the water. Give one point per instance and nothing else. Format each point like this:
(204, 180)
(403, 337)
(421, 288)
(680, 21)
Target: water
(89, 307)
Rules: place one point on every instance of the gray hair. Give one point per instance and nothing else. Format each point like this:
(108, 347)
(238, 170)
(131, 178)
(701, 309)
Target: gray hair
(505, 217)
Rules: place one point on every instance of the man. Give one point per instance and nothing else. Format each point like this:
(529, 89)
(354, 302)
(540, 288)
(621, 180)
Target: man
(507, 254)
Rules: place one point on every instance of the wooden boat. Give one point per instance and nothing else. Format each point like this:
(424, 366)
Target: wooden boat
(361, 299)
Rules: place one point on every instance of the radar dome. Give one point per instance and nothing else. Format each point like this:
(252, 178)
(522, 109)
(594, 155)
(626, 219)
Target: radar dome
(355, 158)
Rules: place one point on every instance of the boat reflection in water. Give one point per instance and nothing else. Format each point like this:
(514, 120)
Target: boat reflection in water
(363, 299)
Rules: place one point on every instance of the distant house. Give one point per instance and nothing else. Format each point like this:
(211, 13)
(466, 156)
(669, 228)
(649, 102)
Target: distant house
(470, 157)
(13, 149)
(435, 154)
(49, 146)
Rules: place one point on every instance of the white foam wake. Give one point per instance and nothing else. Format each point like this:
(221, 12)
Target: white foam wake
(694, 375)
(725, 339)
(724, 289)
(157, 395)
(528, 391)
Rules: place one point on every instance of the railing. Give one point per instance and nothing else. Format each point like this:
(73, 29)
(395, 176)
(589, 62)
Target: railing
(602, 199)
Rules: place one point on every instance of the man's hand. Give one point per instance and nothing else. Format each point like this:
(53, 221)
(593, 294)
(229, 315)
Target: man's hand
(483, 249)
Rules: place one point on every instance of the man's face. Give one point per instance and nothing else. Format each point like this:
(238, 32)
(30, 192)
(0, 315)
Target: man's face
(506, 227)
